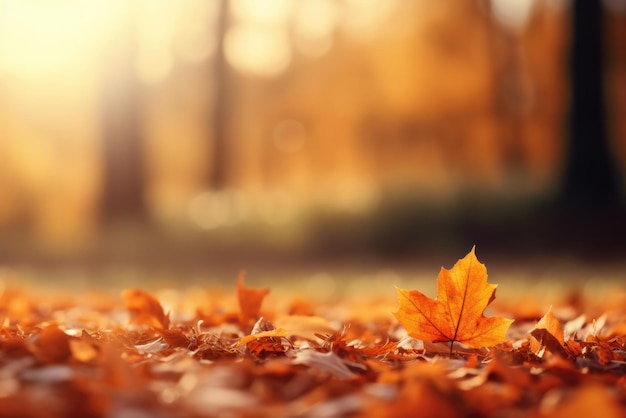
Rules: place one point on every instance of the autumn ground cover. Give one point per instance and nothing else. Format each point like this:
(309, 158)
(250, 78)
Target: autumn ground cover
(452, 348)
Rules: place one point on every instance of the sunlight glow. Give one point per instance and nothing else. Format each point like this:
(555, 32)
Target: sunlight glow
(258, 43)
(314, 23)
(512, 14)
(362, 18)
(258, 50)
(156, 27)
(153, 67)
(210, 210)
(50, 36)
(267, 12)
(196, 40)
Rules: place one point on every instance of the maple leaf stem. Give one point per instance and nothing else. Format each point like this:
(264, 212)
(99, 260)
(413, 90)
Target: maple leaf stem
(451, 344)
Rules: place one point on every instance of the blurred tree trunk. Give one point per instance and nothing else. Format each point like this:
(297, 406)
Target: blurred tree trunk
(509, 96)
(590, 178)
(221, 103)
(123, 195)
(124, 183)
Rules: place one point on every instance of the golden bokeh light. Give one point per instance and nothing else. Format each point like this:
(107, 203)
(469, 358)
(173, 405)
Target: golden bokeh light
(314, 25)
(363, 19)
(514, 15)
(267, 12)
(258, 50)
(156, 29)
(38, 37)
(211, 210)
(196, 40)
(238, 112)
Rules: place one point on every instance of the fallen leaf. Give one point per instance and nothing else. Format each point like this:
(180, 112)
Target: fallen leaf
(278, 332)
(602, 353)
(77, 356)
(589, 400)
(304, 326)
(457, 314)
(554, 341)
(574, 348)
(145, 309)
(250, 300)
(553, 325)
(52, 345)
(426, 391)
(573, 326)
(83, 351)
(378, 350)
(542, 340)
(324, 362)
(174, 337)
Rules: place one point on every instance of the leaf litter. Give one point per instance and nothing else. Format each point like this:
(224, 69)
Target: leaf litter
(241, 356)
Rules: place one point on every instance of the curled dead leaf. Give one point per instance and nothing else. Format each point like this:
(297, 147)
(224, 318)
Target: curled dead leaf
(304, 326)
(52, 345)
(278, 332)
(548, 335)
(250, 301)
(145, 309)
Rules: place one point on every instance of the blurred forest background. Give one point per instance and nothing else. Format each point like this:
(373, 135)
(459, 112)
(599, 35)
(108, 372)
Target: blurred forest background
(246, 133)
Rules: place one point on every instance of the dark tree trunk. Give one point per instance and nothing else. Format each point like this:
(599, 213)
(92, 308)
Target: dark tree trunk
(588, 218)
(123, 193)
(221, 104)
(590, 178)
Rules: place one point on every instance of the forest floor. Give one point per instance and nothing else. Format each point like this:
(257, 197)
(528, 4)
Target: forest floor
(144, 325)
(304, 337)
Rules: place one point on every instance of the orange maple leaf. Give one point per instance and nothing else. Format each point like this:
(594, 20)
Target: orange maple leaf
(457, 314)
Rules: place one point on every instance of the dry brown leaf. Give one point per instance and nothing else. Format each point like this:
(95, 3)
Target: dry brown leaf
(52, 345)
(174, 337)
(548, 334)
(589, 401)
(83, 351)
(278, 332)
(145, 309)
(545, 341)
(324, 363)
(250, 301)
(304, 326)
(85, 360)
